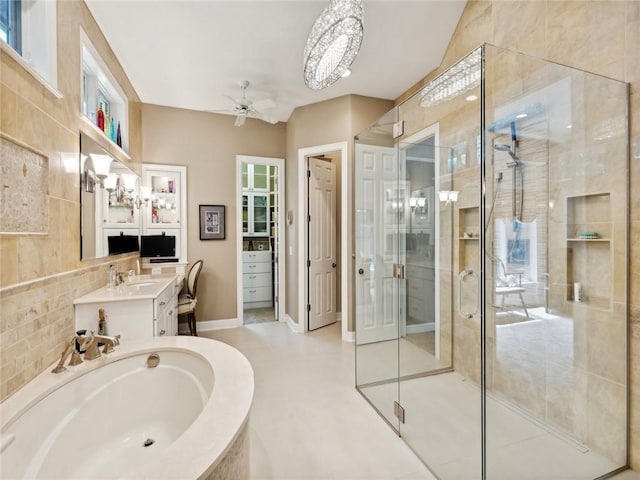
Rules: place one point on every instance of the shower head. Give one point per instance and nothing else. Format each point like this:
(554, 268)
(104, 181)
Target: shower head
(506, 148)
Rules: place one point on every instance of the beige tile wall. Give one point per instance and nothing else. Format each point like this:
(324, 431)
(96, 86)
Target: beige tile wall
(40, 276)
(597, 36)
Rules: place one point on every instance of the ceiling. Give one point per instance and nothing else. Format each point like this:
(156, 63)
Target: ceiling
(190, 54)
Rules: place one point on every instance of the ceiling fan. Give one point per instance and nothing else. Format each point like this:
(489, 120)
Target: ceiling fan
(245, 107)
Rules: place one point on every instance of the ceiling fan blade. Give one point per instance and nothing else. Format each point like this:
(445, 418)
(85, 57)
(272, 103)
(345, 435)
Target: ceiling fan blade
(267, 117)
(240, 120)
(265, 104)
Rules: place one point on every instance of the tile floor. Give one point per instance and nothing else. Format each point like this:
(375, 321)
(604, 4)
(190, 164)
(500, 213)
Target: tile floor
(307, 420)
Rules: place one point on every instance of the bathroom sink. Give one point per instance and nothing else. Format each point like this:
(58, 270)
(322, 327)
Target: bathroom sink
(141, 284)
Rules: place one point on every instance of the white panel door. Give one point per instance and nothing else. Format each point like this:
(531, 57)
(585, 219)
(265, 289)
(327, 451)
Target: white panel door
(376, 197)
(322, 243)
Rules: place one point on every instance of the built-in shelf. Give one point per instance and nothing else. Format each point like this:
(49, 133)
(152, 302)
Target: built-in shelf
(90, 128)
(589, 260)
(100, 91)
(605, 240)
(468, 247)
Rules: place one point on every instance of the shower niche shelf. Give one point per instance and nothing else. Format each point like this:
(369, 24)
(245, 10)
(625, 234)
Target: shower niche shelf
(468, 246)
(590, 260)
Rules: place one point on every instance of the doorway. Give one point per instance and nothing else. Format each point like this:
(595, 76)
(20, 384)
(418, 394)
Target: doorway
(260, 268)
(337, 153)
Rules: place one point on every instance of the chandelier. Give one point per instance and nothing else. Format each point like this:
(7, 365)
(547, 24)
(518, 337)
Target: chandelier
(460, 78)
(333, 43)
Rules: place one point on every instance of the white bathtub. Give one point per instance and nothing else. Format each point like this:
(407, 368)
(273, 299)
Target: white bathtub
(92, 420)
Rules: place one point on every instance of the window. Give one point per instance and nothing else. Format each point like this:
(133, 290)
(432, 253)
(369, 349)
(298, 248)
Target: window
(28, 35)
(10, 23)
(101, 93)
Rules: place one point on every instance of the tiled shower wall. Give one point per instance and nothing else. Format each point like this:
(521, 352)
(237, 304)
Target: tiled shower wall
(41, 275)
(602, 37)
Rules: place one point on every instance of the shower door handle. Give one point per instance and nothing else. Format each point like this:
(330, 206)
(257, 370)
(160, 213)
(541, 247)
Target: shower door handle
(461, 276)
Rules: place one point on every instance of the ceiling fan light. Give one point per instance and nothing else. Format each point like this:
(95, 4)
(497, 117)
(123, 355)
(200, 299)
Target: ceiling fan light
(333, 43)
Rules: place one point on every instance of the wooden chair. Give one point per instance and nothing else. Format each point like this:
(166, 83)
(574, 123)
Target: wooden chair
(187, 301)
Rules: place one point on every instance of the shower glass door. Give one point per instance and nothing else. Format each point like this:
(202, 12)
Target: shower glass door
(380, 210)
(492, 271)
(440, 379)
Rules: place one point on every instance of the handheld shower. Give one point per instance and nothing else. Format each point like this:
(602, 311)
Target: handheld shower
(502, 147)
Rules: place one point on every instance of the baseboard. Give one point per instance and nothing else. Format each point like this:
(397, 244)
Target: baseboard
(349, 337)
(421, 328)
(210, 325)
(292, 325)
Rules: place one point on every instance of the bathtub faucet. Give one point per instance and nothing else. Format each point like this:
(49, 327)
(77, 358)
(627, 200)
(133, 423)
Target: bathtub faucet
(93, 344)
(70, 349)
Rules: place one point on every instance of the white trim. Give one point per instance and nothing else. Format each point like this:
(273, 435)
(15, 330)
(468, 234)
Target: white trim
(282, 267)
(303, 153)
(210, 325)
(420, 328)
(292, 325)
(433, 130)
(6, 48)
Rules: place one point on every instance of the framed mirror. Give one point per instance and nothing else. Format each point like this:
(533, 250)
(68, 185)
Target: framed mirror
(109, 203)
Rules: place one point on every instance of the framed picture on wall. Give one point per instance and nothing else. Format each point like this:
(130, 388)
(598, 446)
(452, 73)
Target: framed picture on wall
(212, 222)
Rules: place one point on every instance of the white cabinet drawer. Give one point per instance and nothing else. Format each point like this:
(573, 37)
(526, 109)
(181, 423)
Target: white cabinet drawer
(256, 280)
(256, 267)
(257, 294)
(256, 256)
(164, 300)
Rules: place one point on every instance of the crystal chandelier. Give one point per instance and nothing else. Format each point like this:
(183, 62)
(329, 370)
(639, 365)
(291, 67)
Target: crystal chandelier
(333, 43)
(460, 78)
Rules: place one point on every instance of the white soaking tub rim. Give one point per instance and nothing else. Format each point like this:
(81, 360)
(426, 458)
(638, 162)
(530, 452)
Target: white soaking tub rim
(199, 449)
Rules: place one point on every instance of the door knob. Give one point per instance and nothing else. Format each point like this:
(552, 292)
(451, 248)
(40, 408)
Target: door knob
(361, 271)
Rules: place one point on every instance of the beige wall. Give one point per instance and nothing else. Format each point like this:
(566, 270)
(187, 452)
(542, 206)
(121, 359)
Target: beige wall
(600, 37)
(331, 121)
(40, 274)
(207, 144)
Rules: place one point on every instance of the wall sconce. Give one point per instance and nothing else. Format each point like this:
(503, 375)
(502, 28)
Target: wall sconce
(101, 166)
(448, 196)
(418, 204)
(110, 183)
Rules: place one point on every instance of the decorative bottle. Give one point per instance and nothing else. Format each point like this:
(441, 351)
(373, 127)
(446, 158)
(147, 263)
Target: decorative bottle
(119, 136)
(100, 118)
(102, 322)
(111, 277)
(112, 130)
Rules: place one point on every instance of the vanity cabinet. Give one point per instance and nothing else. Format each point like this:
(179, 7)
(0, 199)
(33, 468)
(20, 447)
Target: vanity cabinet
(143, 308)
(256, 279)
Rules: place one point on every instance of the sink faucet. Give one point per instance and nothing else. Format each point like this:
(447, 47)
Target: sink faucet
(92, 346)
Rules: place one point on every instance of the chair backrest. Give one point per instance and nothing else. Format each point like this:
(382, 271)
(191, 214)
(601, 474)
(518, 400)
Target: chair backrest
(192, 278)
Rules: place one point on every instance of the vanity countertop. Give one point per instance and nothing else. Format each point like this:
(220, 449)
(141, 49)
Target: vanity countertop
(138, 287)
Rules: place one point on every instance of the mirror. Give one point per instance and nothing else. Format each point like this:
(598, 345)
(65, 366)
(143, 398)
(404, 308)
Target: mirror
(109, 203)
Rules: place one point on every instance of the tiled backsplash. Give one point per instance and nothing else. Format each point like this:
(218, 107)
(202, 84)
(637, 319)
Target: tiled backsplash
(36, 319)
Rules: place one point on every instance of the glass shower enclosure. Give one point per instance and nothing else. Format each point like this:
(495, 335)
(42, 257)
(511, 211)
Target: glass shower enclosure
(491, 239)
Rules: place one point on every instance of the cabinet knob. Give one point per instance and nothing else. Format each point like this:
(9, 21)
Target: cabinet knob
(162, 304)
(163, 332)
(361, 271)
